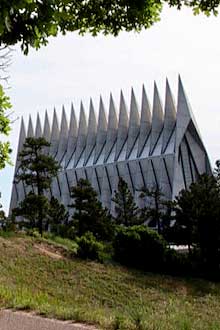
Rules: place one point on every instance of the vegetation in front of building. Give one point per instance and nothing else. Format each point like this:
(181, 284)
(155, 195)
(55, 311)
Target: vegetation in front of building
(191, 220)
(68, 266)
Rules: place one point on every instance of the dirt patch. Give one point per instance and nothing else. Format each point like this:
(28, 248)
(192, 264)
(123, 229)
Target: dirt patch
(46, 250)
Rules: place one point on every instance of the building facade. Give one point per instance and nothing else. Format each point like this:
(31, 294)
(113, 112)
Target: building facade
(161, 148)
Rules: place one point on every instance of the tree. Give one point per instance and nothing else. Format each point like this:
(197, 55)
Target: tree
(37, 171)
(32, 22)
(89, 215)
(57, 215)
(2, 213)
(140, 247)
(198, 214)
(157, 209)
(5, 105)
(31, 209)
(5, 149)
(125, 207)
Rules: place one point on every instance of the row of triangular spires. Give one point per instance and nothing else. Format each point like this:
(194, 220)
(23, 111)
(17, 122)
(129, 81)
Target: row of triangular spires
(87, 138)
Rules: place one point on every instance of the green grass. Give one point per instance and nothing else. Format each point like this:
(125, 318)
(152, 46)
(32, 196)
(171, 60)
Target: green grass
(110, 296)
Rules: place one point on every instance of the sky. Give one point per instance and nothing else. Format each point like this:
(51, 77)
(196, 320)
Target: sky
(72, 68)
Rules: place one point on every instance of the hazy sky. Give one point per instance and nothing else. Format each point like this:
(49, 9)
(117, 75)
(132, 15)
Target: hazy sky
(72, 68)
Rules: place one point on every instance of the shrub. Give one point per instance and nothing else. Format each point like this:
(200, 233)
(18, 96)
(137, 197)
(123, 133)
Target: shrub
(140, 247)
(33, 233)
(90, 248)
(177, 263)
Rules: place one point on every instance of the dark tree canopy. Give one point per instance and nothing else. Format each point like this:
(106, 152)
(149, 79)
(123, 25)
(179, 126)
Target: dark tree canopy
(156, 206)
(57, 216)
(29, 209)
(198, 214)
(89, 215)
(125, 208)
(32, 22)
(37, 169)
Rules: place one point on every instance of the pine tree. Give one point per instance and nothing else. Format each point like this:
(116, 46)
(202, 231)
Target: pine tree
(37, 171)
(156, 205)
(198, 214)
(57, 215)
(89, 215)
(125, 207)
(30, 210)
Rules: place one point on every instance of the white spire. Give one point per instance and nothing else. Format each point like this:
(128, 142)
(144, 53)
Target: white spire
(92, 129)
(46, 129)
(134, 124)
(21, 140)
(145, 124)
(122, 127)
(30, 131)
(184, 114)
(157, 119)
(82, 134)
(72, 136)
(112, 128)
(101, 131)
(169, 116)
(63, 136)
(55, 135)
(38, 129)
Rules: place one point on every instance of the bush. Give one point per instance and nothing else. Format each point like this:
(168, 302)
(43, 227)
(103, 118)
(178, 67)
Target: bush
(90, 248)
(33, 233)
(139, 247)
(177, 263)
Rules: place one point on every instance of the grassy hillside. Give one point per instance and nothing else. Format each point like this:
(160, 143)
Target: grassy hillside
(38, 275)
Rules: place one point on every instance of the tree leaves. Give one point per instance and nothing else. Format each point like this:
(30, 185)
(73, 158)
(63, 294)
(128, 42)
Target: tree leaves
(32, 22)
(5, 128)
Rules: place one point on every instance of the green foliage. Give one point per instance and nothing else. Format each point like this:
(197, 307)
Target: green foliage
(197, 215)
(2, 214)
(89, 215)
(34, 207)
(125, 207)
(7, 224)
(33, 232)
(32, 22)
(5, 149)
(90, 248)
(179, 263)
(31, 209)
(157, 209)
(140, 247)
(37, 169)
(57, 216)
